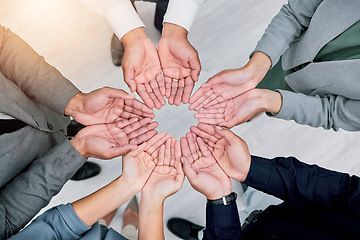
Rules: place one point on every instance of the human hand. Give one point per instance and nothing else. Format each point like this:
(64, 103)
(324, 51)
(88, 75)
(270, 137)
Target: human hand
(106, 105)
(230, 83)
(141, 67)
(139, 163)
(180, 61)
(106, 141)
(229, 150)
(241, 108)
(168, 176)
(200, 167)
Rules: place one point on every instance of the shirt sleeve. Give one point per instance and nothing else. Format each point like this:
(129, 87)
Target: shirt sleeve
(120, 14)
(305, 185)
(182, 12)
(222, 222)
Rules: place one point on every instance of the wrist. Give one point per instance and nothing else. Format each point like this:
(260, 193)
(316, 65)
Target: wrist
(258, 66)
(171, 30)
(273, 102)
(74, 104)
(137, 34)
(225, 200)
(79, 146)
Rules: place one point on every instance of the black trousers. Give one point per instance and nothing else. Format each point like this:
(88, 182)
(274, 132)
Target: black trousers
(161, 6)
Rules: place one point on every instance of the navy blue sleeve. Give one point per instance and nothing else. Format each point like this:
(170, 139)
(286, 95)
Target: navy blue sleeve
(222, 222)
(305, 185)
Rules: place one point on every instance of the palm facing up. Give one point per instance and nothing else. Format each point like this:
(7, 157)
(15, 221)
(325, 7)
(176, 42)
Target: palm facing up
(202, 170)
(168, 176)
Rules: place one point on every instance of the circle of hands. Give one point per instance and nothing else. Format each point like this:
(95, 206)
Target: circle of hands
(120, 125)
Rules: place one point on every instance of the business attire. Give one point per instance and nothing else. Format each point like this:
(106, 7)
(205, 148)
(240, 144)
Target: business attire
(36, 159)
(318, 204)
(320, 55)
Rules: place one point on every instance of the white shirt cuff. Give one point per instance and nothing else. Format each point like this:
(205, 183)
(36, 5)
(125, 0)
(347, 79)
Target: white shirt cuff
(182, 12)
(123, 18)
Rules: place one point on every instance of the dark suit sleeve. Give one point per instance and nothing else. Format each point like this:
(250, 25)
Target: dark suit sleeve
(222, 222)
(30, 191)
(32, 74)
(305, 185)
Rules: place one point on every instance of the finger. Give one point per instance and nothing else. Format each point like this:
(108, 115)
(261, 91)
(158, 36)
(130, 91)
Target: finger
(189, 86)
(217, 102)
(199, 96)
(195, 66)
(167, 152)
(168, 82)
(157, 144)
(161, 84)
(185, 149)
(172, 152)
(125, 122)
(204, 135)
(179, 92)
(209, 121)
(136, 125)
(174, 87)
(152, 96)
(212, 111)
(204, 99)
(156, 90)
(144, 129)
(203, 147)
(192, 146)
(188, 170)
(143, 137)
(161, 156)
(176, 152)
(141, 90)
(209, 129)
(137, 107)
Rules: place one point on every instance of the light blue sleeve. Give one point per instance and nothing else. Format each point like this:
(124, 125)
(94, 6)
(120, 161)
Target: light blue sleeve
(62, 222)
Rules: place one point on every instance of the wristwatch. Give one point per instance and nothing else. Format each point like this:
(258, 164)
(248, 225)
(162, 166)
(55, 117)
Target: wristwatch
(224, 200)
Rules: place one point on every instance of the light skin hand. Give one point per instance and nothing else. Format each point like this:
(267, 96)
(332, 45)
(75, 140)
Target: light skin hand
(142, 70)
(106, 141)
(241, 108)
(180, 61)
(231, 83)
(105, 105)
(139, 163)
(230, 151)
(165, 180)
(202, 170)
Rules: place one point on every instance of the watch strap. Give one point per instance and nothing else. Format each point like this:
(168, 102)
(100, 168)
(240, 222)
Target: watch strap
(224, 200)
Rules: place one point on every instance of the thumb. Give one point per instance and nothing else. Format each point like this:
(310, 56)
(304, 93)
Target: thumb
(129, 78)
(188, 170)
(229, 136)
(121, 151)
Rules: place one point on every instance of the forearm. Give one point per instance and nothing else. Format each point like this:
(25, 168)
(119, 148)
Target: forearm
(95, 206)
(151, 217)
(329, 112)
(28, 70)
(43, 179)
(305, 185)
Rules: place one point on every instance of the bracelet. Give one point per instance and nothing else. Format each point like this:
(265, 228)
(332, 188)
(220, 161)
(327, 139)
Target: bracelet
(224, 200)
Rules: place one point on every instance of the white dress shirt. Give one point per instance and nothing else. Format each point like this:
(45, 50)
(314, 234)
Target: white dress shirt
(123, 18)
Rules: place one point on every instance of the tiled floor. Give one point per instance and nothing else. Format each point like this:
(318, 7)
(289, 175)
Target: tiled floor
(77, 42)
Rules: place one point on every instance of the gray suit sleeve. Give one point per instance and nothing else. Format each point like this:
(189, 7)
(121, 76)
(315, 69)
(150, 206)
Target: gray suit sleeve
(288, 24)
(330, 111)
(32, 74)
(30, 191)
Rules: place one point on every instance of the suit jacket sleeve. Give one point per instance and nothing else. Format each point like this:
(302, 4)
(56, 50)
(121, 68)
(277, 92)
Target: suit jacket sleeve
(36, 78)
(18, 201)
(329, 111)
(305, 185)
(288, 24)
(222, 222)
